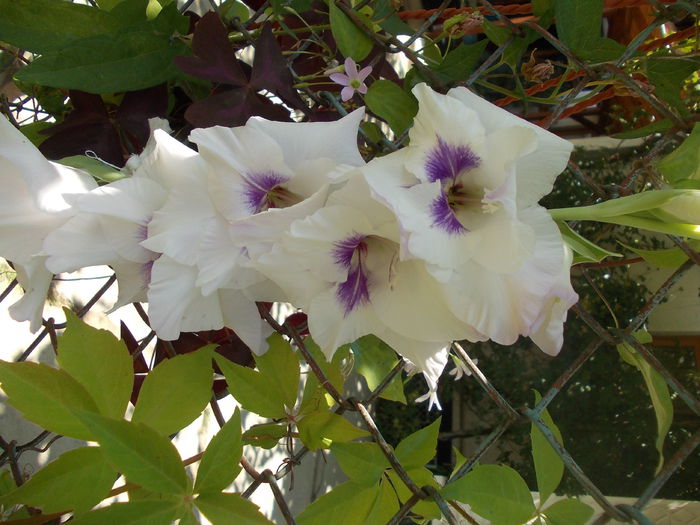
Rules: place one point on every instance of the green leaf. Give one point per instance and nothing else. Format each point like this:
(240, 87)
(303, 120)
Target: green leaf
(7, 483)
(47, 397)
(578, 22)
(175, 392)
(391, 103)
(667, 75)
(419, 448)
(669, 258)
(254, 391)
(356, 499)
(352, 41)
(315, 396)
(226, 508)
(98, 361)
(655, 127)
(458, 63)
(320, 429)
(220, 462)
(231, 9)
(98, 169)
(108, 63)
(495, 492)
(568, 512)
(683, 162)
(266, 435)
(385, 505)
(658, 390)
(374, 359)
(42, 25)
(281, 365)
(364, 463)
(422, 477)
(140, 453)
(189, 518)
(598, 49)
(78, 480)
(549, 467)
(132, 513)
(584, 250)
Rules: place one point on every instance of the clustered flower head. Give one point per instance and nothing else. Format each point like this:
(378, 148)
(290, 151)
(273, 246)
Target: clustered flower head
(442, 240)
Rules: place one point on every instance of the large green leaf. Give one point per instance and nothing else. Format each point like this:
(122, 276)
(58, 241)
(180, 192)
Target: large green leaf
(225, 508)
(99, 362)
(419, 448)
(388, 101)
(658, 390)
(47, 396)
(356, 499)
(549, 467)
(667, 75)
(253, 390)
(140, 453)
(385, 505)
(683, 162)
(175, 392)
(364, 463)
(458, 63)
(320, 429)
(78, 480)
(495, 492)
(352, 41)
(219, 465)
(374, 359)
(132, 513)
(422, 477)
(578, 21)
(281, 365)
(108, 63)
(42, 25)
(568, 512)
(315, 396)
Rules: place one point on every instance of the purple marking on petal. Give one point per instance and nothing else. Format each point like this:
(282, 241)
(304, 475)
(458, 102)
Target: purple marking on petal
(146, 270)
(354, 291)
(257, 186)
(444, 217)
(348, 254)
(345, 249)
(446, 162)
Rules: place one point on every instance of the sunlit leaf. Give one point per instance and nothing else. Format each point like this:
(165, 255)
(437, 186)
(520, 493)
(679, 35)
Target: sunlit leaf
(374, 359)
(175, 392)
(358, 499)
(266, 435)
(99, 362)
(77, 480)
(495, 492)
(683, 162)
(140, 453)
(362, 462)
(132, 513)
(568, 512)
(226, 508)
(281, 365)
(352, 41)
(47, 397)
(393, 104)
(320, 429)
(419, 448)
(219, 465)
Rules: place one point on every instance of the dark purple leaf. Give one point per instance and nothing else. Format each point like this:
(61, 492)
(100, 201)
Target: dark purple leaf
(270, 70)
(233, 108)
(135, 110)
(214, 58)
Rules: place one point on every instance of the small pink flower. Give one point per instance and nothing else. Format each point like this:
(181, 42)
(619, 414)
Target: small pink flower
(352, 79)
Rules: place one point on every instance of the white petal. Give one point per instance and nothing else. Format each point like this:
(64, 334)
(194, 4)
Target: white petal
(536, 171)
(133, 199)
(242, 316)
(301, 141)
(132, 279)
(35, 280)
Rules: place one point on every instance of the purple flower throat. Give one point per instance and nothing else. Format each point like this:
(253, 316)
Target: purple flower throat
(351, 255)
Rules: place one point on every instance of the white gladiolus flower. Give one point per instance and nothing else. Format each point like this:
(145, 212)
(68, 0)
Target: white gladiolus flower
(341, 265)
(33, 202)
(465, 193)
(263, 176)
(128, 224)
